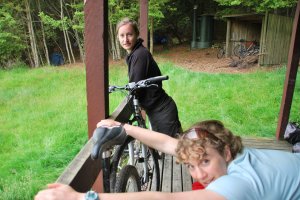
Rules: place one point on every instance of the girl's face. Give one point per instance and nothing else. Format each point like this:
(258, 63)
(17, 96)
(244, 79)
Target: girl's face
(211, 167)
(127, 37)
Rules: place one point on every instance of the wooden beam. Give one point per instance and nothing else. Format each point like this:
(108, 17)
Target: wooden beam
(96, 48)
(228, 47)
(290, 78)
(82, 172)
(144, 21)
(267, 143)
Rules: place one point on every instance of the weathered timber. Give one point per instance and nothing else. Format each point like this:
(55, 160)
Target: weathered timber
(82, 172)
(267, 143)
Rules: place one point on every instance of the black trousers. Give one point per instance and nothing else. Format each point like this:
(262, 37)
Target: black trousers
(164, 118)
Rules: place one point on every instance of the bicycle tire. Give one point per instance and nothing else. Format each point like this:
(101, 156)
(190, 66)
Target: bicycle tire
(220, 53)
(152, 182)
(239, 51)
(128, 180)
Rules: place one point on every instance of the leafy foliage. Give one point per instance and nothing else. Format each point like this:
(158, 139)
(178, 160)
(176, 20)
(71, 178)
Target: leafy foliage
(11, 43)
(258, 5)
(119, 9)
(172, 19)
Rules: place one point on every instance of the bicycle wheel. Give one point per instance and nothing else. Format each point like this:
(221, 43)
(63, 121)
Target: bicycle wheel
(128, 180)
(239, 51)
(149, 179)
(221, 53)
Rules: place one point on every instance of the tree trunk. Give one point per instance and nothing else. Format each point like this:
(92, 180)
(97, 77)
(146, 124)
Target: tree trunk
(112, 42)
(70, 47)
(64, 31)
(79, 45)
(32, 37)
(151, 35)
(44, 37)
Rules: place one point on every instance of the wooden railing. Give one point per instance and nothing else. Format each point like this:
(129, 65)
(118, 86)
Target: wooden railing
(82, 172)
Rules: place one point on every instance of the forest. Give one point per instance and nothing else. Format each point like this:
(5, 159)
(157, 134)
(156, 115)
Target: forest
(33, 32)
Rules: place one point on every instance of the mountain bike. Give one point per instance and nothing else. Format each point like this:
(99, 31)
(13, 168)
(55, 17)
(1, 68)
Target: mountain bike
(241, 50)
(104, 139)
(131, 153)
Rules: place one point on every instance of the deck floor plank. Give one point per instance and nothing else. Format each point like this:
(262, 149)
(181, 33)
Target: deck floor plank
(177, 176)
(167, 174)
(186, 179)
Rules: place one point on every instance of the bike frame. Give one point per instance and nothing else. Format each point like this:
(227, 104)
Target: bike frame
(141, 123)
(106, 155)
(137, 153)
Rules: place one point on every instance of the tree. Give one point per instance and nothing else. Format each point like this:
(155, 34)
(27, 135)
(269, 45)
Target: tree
(12, 40)
(65, 20)
(35, 58)
(177, 20)
(156, 8)
(46, 53)
(77, 24)
(260, 5)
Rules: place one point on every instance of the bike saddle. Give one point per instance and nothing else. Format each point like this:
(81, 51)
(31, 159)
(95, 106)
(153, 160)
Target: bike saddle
(105, 137)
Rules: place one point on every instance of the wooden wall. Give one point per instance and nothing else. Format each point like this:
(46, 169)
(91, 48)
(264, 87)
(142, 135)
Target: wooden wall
(275, 39)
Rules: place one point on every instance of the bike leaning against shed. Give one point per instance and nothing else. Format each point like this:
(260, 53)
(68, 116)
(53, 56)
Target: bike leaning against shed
(243, 50)
(128, 165)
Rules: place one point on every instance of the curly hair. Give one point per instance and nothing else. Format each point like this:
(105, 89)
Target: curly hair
(211, 133)
(125, 21)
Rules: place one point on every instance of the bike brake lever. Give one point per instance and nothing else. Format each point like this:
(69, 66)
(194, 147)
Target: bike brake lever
(130, 86)
(152, 85)
(111, 89)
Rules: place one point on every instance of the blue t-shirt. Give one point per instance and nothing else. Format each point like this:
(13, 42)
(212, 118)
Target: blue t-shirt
(261, 175)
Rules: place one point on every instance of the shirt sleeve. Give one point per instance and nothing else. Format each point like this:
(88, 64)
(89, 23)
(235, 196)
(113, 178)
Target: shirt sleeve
(233, 188)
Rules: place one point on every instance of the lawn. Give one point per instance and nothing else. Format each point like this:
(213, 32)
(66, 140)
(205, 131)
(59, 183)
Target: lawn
(44, 121)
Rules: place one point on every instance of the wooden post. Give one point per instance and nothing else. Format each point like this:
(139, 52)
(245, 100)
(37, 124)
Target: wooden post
(144, 21)
(96, 48)
(290, 78)
(229, 45)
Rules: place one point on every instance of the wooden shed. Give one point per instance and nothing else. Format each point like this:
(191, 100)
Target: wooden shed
(265, 29)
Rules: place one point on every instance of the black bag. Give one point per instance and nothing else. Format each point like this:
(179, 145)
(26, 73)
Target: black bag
(292, 133)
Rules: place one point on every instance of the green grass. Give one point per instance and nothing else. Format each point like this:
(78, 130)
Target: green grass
(43, 126)
(43, 119)
(247, 103)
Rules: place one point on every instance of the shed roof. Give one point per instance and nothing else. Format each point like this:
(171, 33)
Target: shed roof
(245, 17)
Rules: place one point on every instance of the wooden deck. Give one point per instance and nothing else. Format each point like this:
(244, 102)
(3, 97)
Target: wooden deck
(176, 178)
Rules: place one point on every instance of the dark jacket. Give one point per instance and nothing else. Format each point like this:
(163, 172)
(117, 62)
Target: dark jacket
(141, 65)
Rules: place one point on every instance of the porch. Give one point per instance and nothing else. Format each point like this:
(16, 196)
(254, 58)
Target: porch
(82, 172)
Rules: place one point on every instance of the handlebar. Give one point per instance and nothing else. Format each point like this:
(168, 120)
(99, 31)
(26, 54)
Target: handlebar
(140, 84)
(156, 79)
(106, 137)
